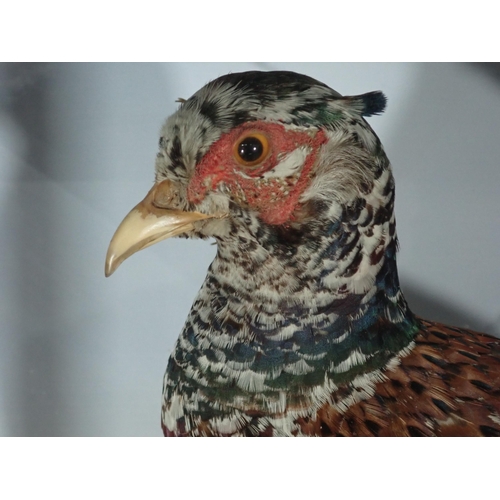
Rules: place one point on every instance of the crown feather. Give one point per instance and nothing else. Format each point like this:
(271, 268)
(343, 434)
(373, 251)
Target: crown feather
(369, 104)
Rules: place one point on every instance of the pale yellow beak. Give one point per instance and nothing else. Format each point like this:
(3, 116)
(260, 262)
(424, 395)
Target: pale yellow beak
(147, 223)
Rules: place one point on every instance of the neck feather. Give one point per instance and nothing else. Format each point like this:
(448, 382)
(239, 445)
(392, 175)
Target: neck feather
(297, 314)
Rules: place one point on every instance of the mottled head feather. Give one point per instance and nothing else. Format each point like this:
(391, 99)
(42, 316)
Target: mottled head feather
(281, 97)
(276, 86)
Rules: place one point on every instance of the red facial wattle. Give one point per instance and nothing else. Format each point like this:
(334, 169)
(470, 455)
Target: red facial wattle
(274, 198)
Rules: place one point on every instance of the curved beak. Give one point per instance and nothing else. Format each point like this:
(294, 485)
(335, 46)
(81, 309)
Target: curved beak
(147, 223)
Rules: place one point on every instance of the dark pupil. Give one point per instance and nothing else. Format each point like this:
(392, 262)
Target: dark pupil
(250, 149)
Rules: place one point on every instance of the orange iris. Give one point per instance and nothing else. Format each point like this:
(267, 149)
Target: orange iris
(251, 149)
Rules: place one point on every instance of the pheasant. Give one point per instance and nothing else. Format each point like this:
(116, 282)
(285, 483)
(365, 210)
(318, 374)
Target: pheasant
(301, 327)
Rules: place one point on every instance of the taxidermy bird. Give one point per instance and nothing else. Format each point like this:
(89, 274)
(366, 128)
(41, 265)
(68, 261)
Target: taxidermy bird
(301, 327)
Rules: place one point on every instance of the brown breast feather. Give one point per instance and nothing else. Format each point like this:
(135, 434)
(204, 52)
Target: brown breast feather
(449, 385)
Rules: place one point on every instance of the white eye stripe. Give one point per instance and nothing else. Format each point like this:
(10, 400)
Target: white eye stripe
(290, 165)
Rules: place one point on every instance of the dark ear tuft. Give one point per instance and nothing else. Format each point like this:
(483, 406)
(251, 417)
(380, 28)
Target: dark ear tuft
(374, 103)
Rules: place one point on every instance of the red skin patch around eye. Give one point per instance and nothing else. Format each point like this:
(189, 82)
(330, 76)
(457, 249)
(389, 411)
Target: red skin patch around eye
(274, 198)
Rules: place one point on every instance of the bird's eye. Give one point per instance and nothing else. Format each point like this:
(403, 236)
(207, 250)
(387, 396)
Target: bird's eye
(251, 149)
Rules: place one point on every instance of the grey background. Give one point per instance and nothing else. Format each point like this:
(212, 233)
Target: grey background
(84, 355)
